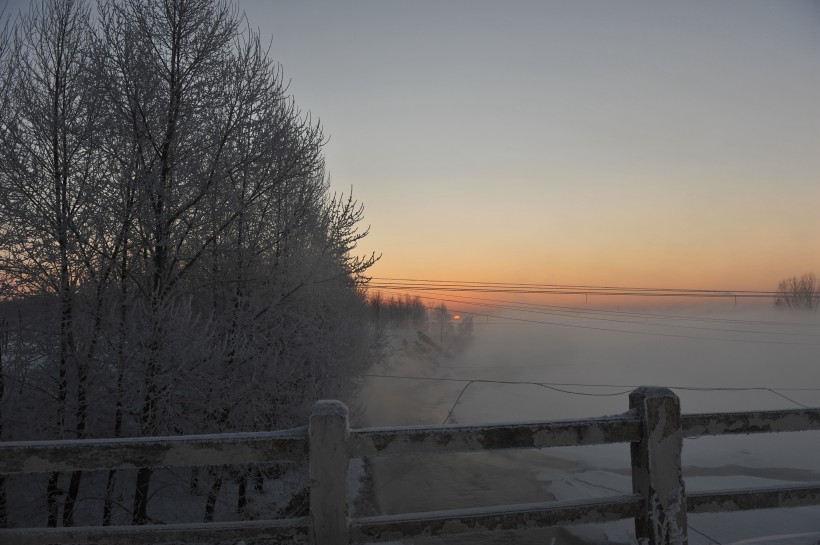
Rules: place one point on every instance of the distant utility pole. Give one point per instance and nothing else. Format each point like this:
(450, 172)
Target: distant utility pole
(442, 314)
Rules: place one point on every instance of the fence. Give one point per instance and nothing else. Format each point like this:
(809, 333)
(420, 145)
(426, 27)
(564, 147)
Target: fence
(653, 425)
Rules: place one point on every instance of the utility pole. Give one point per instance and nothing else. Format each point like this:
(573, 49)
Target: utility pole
(443, 315)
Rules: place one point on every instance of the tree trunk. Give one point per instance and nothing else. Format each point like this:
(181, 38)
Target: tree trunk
(148, 416)
(4, 340)
(82, 416)
(193, 485)
(242, 498)
(139, 514)
(210, 503)
(82, 397)
(118, 411)
(109, 497)
(52, 491)
(66, 339)
(71, 499)
(4, 521)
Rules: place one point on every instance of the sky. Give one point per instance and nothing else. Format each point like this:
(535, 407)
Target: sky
(637, 143)
(632, 142)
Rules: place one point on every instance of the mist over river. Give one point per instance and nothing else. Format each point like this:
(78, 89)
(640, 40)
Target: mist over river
(725, 359)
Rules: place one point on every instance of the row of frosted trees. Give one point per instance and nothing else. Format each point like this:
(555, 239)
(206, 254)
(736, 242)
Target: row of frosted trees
(398, 312)
(801, 292)
(171, 259)
(451, 330)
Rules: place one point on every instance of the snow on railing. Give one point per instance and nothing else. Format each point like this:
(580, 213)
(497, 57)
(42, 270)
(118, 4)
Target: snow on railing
(653, 425)
(171, 451)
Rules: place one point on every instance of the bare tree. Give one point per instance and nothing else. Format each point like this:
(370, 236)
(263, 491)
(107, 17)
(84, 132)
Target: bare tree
(48, 165)
(163, 197)
(5, 77)
(799, 292)
(5, 80)
(227, 168)
(4, 345)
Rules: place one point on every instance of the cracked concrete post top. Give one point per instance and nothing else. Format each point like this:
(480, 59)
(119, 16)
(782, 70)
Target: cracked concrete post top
(329, 407)
(652, 392)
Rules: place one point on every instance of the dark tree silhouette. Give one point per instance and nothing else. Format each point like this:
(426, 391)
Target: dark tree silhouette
(798, 292)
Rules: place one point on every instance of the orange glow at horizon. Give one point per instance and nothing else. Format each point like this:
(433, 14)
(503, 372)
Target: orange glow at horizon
(581, 291)
(753, 270)
(698, 229)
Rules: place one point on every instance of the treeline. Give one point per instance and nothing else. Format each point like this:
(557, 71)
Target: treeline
(801, 292)
(408, 312)
(171, 259)
(398, 312)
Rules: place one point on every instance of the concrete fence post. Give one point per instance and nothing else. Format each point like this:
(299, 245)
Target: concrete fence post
(656, 468)
(329, 432)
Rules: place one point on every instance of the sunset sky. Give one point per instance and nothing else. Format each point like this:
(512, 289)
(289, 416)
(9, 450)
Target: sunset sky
(638, 143)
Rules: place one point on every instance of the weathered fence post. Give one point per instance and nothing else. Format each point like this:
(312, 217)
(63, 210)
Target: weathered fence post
(329, 432)
(656, 467)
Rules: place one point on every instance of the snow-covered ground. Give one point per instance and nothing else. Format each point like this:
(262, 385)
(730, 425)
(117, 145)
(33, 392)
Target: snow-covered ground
(572, 359)
(172, 501)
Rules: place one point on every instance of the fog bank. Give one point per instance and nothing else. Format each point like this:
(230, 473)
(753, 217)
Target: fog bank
(732, 360)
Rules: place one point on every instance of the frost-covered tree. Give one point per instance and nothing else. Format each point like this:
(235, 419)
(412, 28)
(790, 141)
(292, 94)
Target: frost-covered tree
(799, 292)
(398, 312)
(165, 199)
(50, 184)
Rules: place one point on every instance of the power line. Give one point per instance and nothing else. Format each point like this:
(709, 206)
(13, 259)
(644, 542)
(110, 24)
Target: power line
(557, 313)
(540, 384)
(542, 285)
(636, 293)
(581, 310)
(559, 387)
(602, 385)
(467, 285)
(613, 330)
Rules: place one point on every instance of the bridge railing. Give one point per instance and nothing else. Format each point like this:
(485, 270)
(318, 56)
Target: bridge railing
(654, 427)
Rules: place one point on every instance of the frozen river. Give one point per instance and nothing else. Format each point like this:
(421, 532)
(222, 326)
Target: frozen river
(740, 360)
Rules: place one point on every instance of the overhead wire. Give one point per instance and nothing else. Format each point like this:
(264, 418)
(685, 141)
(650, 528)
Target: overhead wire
(581, 310)
(637, 293)
(632, 332)
(452, 287)
(558, 313)
(565, 289)
(603, 385)
(560, 387)
(568, 286)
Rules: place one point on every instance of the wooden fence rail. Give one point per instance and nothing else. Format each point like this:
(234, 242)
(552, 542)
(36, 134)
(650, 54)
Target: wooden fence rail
(654, 427)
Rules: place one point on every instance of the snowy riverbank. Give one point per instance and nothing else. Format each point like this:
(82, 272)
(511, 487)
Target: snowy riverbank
(570, 361)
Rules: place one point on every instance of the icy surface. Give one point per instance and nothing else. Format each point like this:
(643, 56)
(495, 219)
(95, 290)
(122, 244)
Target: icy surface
(569, 360)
